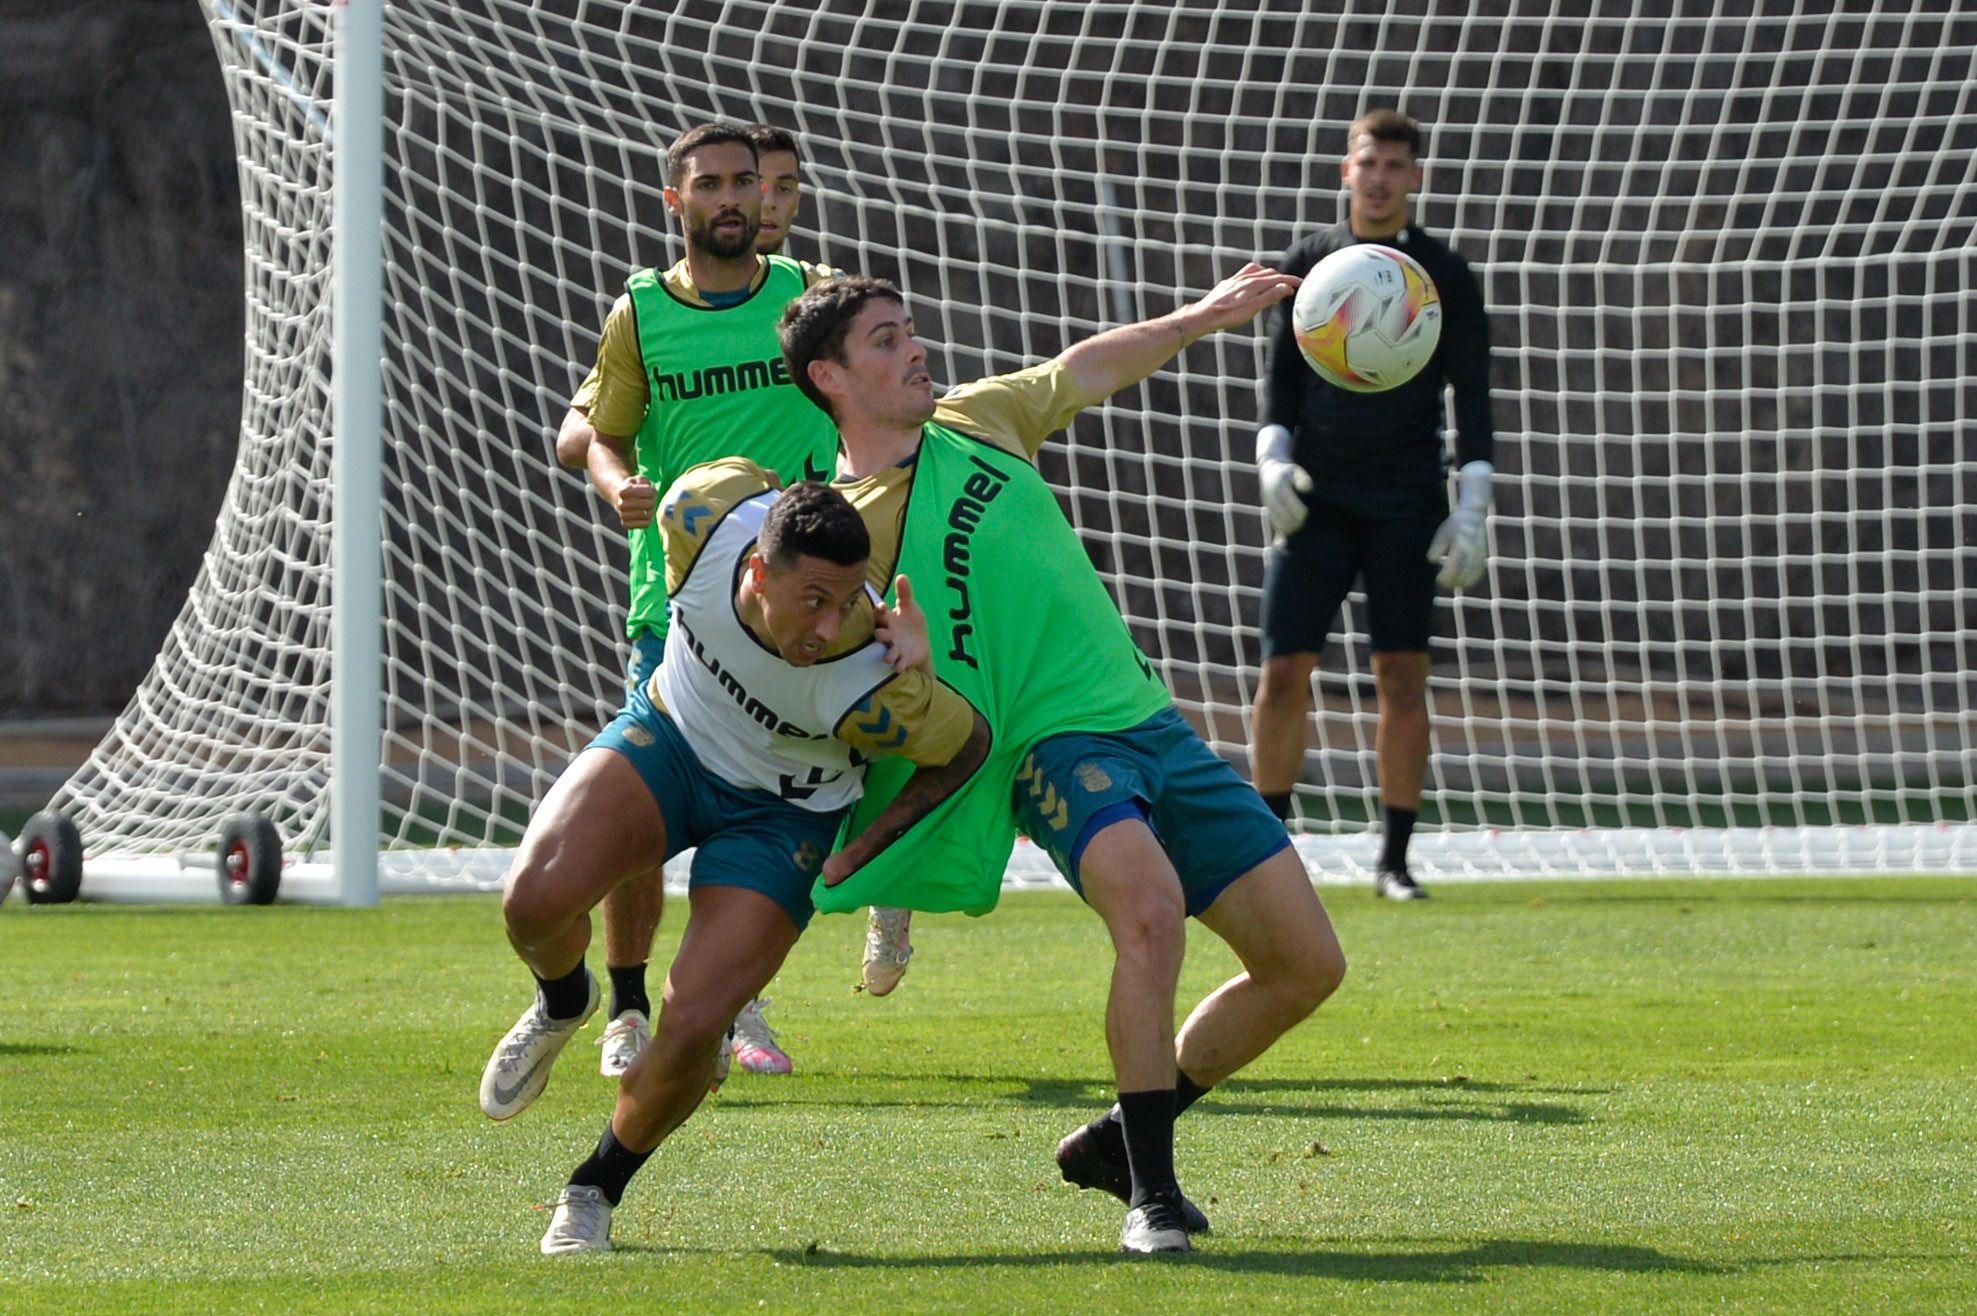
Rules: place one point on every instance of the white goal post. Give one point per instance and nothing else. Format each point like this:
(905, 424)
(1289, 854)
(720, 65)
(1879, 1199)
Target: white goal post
(1728, 251)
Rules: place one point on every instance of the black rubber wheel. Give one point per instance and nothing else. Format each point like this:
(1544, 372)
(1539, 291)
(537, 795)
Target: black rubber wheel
(51, 859)
(250, 860)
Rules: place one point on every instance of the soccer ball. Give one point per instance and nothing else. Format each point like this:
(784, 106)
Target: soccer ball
(1367, 318)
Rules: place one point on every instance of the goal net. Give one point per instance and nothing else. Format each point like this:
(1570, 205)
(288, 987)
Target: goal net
(1727, 248)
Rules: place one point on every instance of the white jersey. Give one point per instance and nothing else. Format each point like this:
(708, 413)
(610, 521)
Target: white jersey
(753, 719)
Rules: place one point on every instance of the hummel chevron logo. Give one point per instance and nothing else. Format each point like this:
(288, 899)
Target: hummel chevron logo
(1054, 809)
(878, 726)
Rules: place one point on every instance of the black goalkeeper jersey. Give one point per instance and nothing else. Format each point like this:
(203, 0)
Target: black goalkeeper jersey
(1377, 440)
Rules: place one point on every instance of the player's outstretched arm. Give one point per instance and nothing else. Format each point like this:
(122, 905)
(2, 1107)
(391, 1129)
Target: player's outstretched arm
(615, 477)
(902, 629)
(925, 789)
(1105, 363)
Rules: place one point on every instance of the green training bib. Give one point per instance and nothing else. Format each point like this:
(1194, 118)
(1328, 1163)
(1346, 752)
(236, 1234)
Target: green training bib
(1022, 627)
(719, 388)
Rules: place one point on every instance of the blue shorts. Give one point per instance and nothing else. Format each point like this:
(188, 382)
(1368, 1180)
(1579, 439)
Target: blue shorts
(1212, 824)
(744, 838)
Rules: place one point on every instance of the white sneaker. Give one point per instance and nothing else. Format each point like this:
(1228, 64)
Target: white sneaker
(887, 948)
(1397, 884)
(754, 1041)
(582, 1222)
(624, 1037)
(518, 1070)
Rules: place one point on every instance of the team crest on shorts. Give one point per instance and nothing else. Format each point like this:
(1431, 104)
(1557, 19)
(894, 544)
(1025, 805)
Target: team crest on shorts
(1093, 778)
(808, 858)
(639, 736)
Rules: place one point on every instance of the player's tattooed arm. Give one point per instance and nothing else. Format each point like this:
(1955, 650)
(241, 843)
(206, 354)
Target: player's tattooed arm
(925, 789)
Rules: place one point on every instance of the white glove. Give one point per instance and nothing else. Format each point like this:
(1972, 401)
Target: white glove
(1282, 479)
(1461, 545)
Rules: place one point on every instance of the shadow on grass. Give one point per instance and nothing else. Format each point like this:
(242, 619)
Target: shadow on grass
(1496, 1103)
(38, 1049)
(1463, 1265)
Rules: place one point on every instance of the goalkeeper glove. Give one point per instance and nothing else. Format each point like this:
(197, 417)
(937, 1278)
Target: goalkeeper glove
(1461, 545)
(1282, 479)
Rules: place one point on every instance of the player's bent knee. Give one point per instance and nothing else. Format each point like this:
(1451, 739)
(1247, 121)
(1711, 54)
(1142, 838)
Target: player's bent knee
(532, 906)
(1154, 935)
(1324, 972)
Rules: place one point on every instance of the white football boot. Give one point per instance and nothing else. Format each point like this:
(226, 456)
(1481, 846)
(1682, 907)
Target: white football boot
(518, 1070)
(624, 1037)
(888, 947)
(582, 1222)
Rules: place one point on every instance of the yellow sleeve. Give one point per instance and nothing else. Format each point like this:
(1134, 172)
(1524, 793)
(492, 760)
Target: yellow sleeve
(1015, 411)
(585, 398)
(618, 407)
(911, 716)
(695, 505)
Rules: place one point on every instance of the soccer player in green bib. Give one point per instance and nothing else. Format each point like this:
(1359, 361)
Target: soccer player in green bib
(715, 388)
(1089, 755)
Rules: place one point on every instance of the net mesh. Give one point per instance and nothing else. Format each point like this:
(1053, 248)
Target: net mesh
(1727, 248)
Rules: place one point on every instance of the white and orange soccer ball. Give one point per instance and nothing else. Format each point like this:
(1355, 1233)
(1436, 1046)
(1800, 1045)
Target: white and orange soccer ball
(1367, 318)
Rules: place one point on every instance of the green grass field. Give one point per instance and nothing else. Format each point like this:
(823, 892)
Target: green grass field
(1663, 1096)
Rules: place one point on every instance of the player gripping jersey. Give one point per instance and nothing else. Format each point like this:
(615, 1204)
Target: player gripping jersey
(803, 734)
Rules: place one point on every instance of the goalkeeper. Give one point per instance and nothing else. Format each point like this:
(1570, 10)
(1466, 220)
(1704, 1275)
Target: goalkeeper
(1354, 489)
(1147, 824)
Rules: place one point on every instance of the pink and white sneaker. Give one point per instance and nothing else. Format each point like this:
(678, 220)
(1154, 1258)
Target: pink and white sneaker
(755, 1048)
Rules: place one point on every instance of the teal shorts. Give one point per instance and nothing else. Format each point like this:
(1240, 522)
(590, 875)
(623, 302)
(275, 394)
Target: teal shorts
(1212, 824)
(740, 837)
(647, 650)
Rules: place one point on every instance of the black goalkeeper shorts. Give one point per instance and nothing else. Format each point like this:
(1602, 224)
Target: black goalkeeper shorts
(1376, 538)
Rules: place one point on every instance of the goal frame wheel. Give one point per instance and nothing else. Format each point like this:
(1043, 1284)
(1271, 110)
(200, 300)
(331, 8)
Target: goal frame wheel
(248, 866)
(50, 851)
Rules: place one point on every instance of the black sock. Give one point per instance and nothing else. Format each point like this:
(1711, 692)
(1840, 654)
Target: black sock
(1111, 1133)
(628, 989)
(610, 1167)
(1279, 803)
(565, 997)
(1400, 830)
(1147, 1120)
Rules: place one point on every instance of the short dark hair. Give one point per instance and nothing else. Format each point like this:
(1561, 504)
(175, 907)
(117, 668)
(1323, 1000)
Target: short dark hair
(813, 520)
(814, 325)
(1385, 125)
(767, 137)
(707, 134)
